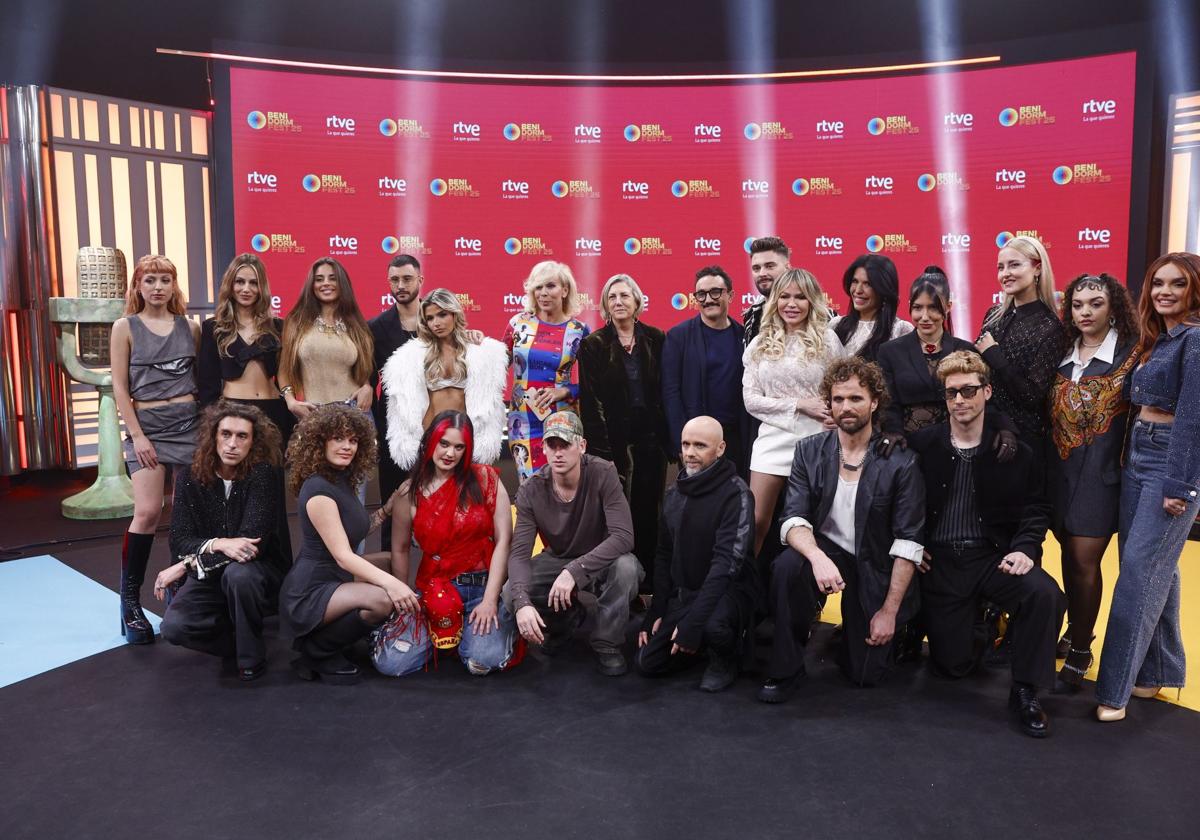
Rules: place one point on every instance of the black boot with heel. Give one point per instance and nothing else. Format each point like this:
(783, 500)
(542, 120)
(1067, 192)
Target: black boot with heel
(135, 556)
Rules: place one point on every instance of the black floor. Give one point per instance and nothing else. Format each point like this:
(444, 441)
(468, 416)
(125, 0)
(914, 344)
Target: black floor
(154, 741)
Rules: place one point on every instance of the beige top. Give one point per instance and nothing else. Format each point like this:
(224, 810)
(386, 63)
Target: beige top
(326, 364)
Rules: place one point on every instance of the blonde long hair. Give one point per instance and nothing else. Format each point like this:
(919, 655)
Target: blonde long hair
(154, 264)
(447, 301)
(550, 270)
(225, 326)
(1034, 251)
(772, 335)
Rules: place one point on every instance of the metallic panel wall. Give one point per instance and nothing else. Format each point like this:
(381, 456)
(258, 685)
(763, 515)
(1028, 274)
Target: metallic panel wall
(1181, 210)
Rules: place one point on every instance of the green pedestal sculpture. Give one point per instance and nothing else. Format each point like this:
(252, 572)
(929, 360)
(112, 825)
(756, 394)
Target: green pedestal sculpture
(111, 496)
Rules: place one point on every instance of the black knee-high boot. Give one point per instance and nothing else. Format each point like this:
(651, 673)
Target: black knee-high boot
(324, 650)
(135, 555)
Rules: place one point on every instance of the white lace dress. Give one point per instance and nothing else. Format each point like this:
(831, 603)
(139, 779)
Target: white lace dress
(863, 330)
(771, 388)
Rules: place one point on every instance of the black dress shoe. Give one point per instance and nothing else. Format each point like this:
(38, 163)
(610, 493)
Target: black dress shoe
(1024, 703)
(335, 670)
(719, 675)
(780, 690)
(611, 663)
(253, 672)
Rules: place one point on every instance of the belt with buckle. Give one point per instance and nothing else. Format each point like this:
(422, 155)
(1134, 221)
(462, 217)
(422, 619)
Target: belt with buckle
(472, 579)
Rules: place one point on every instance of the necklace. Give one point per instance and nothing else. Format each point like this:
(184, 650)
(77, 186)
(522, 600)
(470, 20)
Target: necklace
(337, 327)
(962, 452)
(560, 496)
(1085, 344)
(852, 467)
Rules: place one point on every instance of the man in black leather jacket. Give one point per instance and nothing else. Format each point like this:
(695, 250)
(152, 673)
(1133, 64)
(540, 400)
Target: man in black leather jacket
(985, 522)
(853, 523)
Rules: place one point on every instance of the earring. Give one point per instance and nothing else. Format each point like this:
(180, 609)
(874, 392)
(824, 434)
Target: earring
(1112, 320)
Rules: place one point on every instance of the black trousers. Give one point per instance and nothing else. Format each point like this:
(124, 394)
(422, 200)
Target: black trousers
(951, 595)
(643, 478)
(723, 635)
(794, 599)
(736, 449)
(390, 477)
(223, 614)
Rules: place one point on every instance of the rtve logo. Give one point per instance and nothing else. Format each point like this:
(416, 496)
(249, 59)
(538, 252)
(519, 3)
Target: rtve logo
(955, 120)
(261, 179)
(342, 124)
(874, 182)
(702, 130)
(1010, 176)
(511, 187)
(635, 188)
(462, 129)
(397, 185)
(1100, 106)
(1090, 236)
(831, 127)
(587, 132)
(463, 243)
(833, 243)
(339, 242)
(703, 243)
(585, 244)
(956, 240)
(752, 186)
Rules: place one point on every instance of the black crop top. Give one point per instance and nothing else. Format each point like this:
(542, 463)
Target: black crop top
(213, 369)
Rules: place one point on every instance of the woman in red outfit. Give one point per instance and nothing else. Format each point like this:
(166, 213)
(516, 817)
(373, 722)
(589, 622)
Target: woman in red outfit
(458, 513)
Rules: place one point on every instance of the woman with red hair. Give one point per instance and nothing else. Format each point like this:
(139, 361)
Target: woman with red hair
(1160, 491)
(153, 352)
(458, 513)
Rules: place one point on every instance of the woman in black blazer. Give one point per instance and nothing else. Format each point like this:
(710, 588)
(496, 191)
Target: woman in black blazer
(620, 402)
(1088, 416)
(910, 363)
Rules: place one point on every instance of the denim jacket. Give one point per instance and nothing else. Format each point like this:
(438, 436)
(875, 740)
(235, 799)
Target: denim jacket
(1170, 380)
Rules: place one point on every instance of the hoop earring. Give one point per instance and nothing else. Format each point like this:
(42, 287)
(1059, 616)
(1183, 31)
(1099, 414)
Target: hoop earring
(1112, 320)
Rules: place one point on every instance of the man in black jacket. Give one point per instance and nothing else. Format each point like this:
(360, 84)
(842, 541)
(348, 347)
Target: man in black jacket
(853, 523)
(702, 600)
(984, 529)
(225, 526)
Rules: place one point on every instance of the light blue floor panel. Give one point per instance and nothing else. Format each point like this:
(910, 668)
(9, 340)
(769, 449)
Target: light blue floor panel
(51, 615)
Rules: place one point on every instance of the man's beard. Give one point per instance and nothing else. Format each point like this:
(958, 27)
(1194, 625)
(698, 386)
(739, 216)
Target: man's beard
(857, 424)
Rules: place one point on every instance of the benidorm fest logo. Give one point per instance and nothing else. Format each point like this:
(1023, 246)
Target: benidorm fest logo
(276, 243)
(452, 187)
(815, 186)
(894, 124)
(404, 244)
(646, 133)
(403, 128)
(646, 246)
(694, 188)
(529, 132)
(889, 243)
(272, 121)
(1079, 173)
(1024, 115)
(527, 245)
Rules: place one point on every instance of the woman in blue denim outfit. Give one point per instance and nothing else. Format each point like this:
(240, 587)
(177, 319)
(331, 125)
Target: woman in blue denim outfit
(1160, 491)
(458, 513)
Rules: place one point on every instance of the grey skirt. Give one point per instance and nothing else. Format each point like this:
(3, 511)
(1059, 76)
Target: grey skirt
(172, 429)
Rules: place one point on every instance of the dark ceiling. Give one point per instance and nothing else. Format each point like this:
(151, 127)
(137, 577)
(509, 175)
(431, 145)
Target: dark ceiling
(108, 47)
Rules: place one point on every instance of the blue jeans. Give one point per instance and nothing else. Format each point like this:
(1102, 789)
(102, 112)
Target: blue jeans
(1143, 645)
(482, 654)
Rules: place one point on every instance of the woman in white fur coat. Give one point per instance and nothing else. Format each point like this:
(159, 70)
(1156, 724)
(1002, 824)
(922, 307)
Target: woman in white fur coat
(442, 370)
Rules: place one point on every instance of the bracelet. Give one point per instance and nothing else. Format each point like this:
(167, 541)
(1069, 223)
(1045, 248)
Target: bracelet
(285, 390)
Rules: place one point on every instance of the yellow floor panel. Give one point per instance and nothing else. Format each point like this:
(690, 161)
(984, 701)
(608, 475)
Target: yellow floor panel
(1190, 612)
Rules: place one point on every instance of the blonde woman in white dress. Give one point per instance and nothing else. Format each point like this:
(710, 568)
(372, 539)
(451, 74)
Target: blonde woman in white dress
(783, 367)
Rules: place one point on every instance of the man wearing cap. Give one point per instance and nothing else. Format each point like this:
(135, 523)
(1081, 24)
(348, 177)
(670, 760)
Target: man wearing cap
(575, 504)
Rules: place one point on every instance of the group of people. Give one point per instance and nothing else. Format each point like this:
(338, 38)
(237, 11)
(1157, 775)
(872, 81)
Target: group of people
(914, 472)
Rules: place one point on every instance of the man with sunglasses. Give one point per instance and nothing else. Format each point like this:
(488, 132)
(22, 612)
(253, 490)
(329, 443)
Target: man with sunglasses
(702, 367)
(984, 525)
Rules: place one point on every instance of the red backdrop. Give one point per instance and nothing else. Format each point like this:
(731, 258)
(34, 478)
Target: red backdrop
(481, 181)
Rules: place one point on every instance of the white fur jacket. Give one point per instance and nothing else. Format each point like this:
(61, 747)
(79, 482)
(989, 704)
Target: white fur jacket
(407, 397)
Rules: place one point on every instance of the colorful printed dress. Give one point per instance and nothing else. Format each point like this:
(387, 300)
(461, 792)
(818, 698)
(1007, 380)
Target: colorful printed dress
(542, 356)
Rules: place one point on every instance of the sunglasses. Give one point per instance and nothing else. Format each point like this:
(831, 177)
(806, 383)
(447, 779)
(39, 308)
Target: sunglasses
(708, 294)
(968, 392)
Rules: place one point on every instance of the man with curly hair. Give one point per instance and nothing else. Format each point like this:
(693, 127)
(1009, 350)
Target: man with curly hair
(852, 523)
(225, 530)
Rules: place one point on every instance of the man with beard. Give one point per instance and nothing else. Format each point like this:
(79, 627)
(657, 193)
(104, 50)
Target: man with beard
(702, 596)
(768, 261)
(702, 367)
(853, 523)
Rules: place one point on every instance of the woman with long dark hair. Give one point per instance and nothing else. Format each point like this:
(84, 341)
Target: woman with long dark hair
(239, 345)
(333, 596)
(620, 404)
(328, 352)
(1088, 414)
(873, 286)
(153, 352)
(1160, 491)
(458, 514)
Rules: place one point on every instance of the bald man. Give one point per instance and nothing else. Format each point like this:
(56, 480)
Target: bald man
(702, 586)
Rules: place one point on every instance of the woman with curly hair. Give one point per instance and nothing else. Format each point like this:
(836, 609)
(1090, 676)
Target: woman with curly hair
(333, 597)
(328, 353)
(239, 345)
(1160, 491)
(782, 371)
(542, 343)
(1088, 417)
(873, 286)
(459, 515)
(153, 351)
(444, 371)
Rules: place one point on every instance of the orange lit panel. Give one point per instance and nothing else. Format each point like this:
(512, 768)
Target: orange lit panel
(91, 120)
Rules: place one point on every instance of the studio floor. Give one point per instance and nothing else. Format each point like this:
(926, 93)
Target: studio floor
(105, 740)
